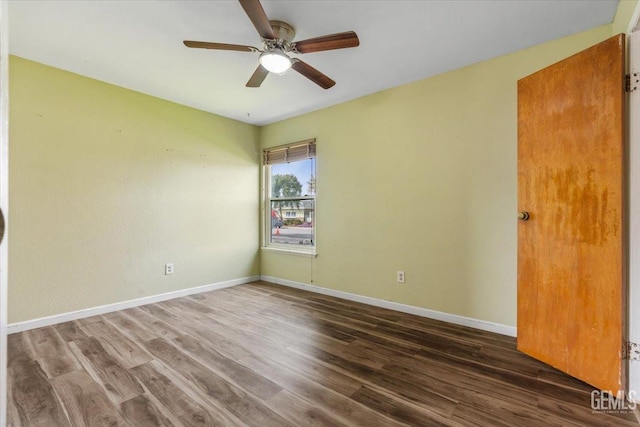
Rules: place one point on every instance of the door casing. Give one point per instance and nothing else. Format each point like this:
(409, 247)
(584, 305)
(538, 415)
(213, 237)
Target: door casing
(634, 217)
(4, 199)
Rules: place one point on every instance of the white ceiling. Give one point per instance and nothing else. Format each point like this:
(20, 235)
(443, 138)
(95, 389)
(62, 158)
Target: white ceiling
(138, 45)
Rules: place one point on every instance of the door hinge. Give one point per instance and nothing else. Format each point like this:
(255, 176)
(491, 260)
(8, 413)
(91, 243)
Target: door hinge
(632, 82)
(631, 351)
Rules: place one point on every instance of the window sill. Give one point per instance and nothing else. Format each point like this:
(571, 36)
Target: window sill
(286, 251)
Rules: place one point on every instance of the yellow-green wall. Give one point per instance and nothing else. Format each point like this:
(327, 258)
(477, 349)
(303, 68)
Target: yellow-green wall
(107, 185)
(624, 15)
(422, 178)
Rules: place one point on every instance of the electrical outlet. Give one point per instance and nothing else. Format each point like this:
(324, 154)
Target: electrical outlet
(400, 276)
(168, 268)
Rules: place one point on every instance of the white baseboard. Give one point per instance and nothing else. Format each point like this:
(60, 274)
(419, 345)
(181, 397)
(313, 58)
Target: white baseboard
(404, 308)
(13, 328)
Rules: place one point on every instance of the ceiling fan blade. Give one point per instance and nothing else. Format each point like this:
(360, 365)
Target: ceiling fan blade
(312, 74)
(219, 46)
(258, 77)
(256, 14)
(329, 42)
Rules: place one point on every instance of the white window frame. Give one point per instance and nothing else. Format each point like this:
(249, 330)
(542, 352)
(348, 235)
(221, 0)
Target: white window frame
(267, 245)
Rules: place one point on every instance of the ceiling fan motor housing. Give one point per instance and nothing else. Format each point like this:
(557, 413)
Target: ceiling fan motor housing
(282, 30)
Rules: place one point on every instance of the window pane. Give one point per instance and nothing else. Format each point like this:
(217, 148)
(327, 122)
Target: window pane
(292, 222)
(293, 179)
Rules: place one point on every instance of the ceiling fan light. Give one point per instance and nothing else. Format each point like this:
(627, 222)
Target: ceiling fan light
(275, 61)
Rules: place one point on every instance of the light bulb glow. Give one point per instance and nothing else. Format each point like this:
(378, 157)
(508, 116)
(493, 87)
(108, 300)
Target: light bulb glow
(275, 61)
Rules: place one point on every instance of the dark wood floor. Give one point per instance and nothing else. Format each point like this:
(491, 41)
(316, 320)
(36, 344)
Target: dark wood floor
(265, 355)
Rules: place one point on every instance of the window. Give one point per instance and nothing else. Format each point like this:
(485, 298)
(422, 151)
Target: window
(290, 195)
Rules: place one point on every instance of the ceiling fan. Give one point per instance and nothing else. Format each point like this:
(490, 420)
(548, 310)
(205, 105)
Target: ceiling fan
(277, 43)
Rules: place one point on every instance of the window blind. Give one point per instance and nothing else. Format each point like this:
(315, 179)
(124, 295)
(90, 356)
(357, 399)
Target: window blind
(290, 153)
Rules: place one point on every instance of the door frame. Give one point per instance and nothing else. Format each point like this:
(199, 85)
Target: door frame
(4, 199)
(633, 369)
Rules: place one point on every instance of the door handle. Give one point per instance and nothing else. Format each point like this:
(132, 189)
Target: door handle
(523, 216)
(1, 225)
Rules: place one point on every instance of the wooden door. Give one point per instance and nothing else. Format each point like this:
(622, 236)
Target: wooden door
(571, 311)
